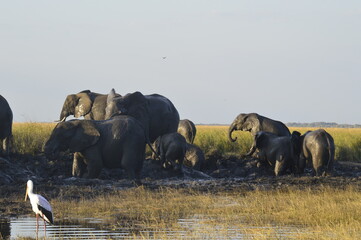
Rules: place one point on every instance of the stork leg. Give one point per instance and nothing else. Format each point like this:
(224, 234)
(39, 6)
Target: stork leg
(44, 229)
(37, 225)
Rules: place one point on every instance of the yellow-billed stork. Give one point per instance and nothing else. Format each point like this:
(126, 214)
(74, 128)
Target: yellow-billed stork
(40, 206)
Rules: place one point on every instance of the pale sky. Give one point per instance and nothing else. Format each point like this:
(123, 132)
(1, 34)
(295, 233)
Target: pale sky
(294, 61)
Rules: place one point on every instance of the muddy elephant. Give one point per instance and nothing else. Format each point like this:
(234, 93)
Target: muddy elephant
(156, 113)
(87, 104)
(277, 152)
(317, 148)
(115, 143)
(187, 129)
(6, 123)
(171, 148)
(253, 123)
(194, 157)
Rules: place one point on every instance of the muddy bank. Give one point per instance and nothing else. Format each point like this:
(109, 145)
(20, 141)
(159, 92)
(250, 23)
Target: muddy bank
(54, 180)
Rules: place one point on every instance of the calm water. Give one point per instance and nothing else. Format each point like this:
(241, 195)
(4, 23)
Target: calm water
(194, 228)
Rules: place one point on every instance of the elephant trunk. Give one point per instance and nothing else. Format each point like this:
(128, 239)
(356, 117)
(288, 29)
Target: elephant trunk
(68, 107)
(231, 129)
(63, 116)
(50, 152)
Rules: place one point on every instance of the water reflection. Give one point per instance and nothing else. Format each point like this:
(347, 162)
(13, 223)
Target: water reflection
(4, 228)
(25, 228)
(197, 227)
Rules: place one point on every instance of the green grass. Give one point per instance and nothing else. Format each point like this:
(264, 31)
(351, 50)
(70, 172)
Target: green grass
(29, 138)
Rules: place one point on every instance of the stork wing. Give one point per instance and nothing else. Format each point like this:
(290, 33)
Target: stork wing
(45, 208)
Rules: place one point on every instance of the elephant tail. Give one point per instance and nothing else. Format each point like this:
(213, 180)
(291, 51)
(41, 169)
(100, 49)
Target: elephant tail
(152, 149)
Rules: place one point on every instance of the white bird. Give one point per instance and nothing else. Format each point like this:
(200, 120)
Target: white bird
(40, 206)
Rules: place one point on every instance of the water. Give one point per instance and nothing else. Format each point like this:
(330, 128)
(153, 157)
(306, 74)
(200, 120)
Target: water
(26, 227)
(196, 227)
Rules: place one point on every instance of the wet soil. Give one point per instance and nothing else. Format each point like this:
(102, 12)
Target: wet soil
(224, 174)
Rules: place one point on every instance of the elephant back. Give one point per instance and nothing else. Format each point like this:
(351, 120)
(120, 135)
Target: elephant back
(163, 116)
(6, 118)
(273, 126)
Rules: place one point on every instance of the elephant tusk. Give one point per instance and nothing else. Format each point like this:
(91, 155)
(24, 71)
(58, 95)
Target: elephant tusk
(62, 120)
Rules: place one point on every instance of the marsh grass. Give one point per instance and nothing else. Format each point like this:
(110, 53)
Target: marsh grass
(29, 138)
(215, 138)
(210, 138)
(323, 213)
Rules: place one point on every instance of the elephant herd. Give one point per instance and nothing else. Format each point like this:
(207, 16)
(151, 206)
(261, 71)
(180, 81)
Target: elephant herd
(276, 147)
(116, 129)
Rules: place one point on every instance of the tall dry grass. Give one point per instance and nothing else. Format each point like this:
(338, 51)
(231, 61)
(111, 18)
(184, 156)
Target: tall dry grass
(210, 138)
(29, 138)
(325, 213)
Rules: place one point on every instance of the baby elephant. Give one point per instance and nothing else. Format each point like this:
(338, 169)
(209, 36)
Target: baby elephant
(187, 129)
(194, 157)
(171, 148)
(317, 147)
(277, 151)
(118, 142)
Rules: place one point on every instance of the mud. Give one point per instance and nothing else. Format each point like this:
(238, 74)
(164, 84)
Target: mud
(224, 174)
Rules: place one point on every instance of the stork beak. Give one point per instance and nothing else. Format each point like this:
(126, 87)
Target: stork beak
(26, 193)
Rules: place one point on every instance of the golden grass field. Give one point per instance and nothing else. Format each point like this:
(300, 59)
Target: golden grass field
(29, 138)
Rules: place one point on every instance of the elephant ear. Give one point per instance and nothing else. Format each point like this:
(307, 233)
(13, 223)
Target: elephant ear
(84, 105)
(111, 108)
(260, 139)
(85, 135)
(111, 96)
(253, 124)
(136, 105)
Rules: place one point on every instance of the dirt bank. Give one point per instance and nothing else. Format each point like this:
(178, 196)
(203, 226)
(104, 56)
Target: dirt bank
(53, 179)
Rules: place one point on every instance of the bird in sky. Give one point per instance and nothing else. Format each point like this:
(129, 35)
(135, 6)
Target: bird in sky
(40, 206)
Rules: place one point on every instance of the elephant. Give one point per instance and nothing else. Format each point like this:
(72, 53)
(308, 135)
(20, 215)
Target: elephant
(156, 113)
(317, 147)
(6, 123)
(277, 151)
(87, 104)
(115, 143)
(187, 129)
(253, 123)
(171, 148)
(194, 157)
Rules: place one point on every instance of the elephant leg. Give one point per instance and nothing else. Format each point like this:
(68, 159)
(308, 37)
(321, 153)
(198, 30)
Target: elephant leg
(251, 150)
(302, 164)
(79, 167)
(134, 176)
(163, 161)
(6, 146)
(2, 147)
(132, 162)
(95, 163)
